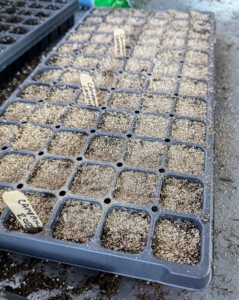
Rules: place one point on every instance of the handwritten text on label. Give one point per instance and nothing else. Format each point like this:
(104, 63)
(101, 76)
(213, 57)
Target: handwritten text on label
(119, 41)
(88, 90)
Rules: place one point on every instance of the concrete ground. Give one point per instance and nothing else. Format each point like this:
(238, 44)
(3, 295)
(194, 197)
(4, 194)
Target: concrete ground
(226, 183)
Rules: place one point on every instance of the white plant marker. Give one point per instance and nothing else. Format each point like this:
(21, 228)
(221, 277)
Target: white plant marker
(88, 90)
(119, 41)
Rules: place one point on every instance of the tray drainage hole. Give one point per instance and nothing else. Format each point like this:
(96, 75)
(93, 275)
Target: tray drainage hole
(171, 115)
(179, 76)
(40, 100)
(112, 88)
(103, 107)
(149, 74)
(62, 193)
(161, 170)
(137, 111)
(176, 94)
(20, 186)
(54, 82)
(181, 61)
(58, 126)
(167, 140)
(40, 153)
(92, 131)
(120, 72)
(154, 209)
(4, 148)
(127, 57)
(129, 136)
(119, 164)
(107, 201)
(24, 122)
(79, 158)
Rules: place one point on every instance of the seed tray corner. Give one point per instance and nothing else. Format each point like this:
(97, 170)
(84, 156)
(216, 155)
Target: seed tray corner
(27, 27)
(91, 38)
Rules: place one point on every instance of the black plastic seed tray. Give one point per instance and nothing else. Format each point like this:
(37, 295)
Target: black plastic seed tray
(163, 169)
(24, 24)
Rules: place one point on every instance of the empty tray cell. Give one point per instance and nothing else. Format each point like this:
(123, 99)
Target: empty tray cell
(35, 92)
(67, 47)
(43, 205)
(53, 7)
(15, 167)
(7, 40)
(92, 181)
(32, 22)
(110, 64)
(7, 132)
(93, 19)
(151, 126)
(2, 203)
(197, 45)
(36, 5)
(144, 52)
(137, 188)
(19, 30)
(162, 85)
(100, 94)
(42, 14)
(137, 66)
(31, 137)
(86, 27)
(148, 40)
(157, 22)
(156, 104)
(170, 55)
(101, 38)
(84, 62)
(188, 131)
(62, 94)
(71, 76)
(78, 221)
(93, 49)
(14, 19)
(18, 112)
(199, 16)
(126, 231)
(49, 76)
(177, 241)
(193, 34)
(196, 57)
(131, 82)
(181, 195)
(78, 37)
(48, 114)
(105, 148)
(111, 51)
(199, 25)
(57, 170)
(67, 143)
(127, 101)
(115, 122)
(104, 79)
(60, 60)
(144, 153)
(185, 159)
(80, 118)
(193, 88)
(174, 43)
(4, 28)
(189, 107)
(196, 71)
(165, 68)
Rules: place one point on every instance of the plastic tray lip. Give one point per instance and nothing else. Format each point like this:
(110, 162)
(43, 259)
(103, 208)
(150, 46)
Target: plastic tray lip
(195, 277)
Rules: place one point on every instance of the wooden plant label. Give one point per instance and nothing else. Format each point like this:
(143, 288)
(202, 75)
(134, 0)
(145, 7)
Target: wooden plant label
(88, 90)
(119, 40)
(22, 209)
